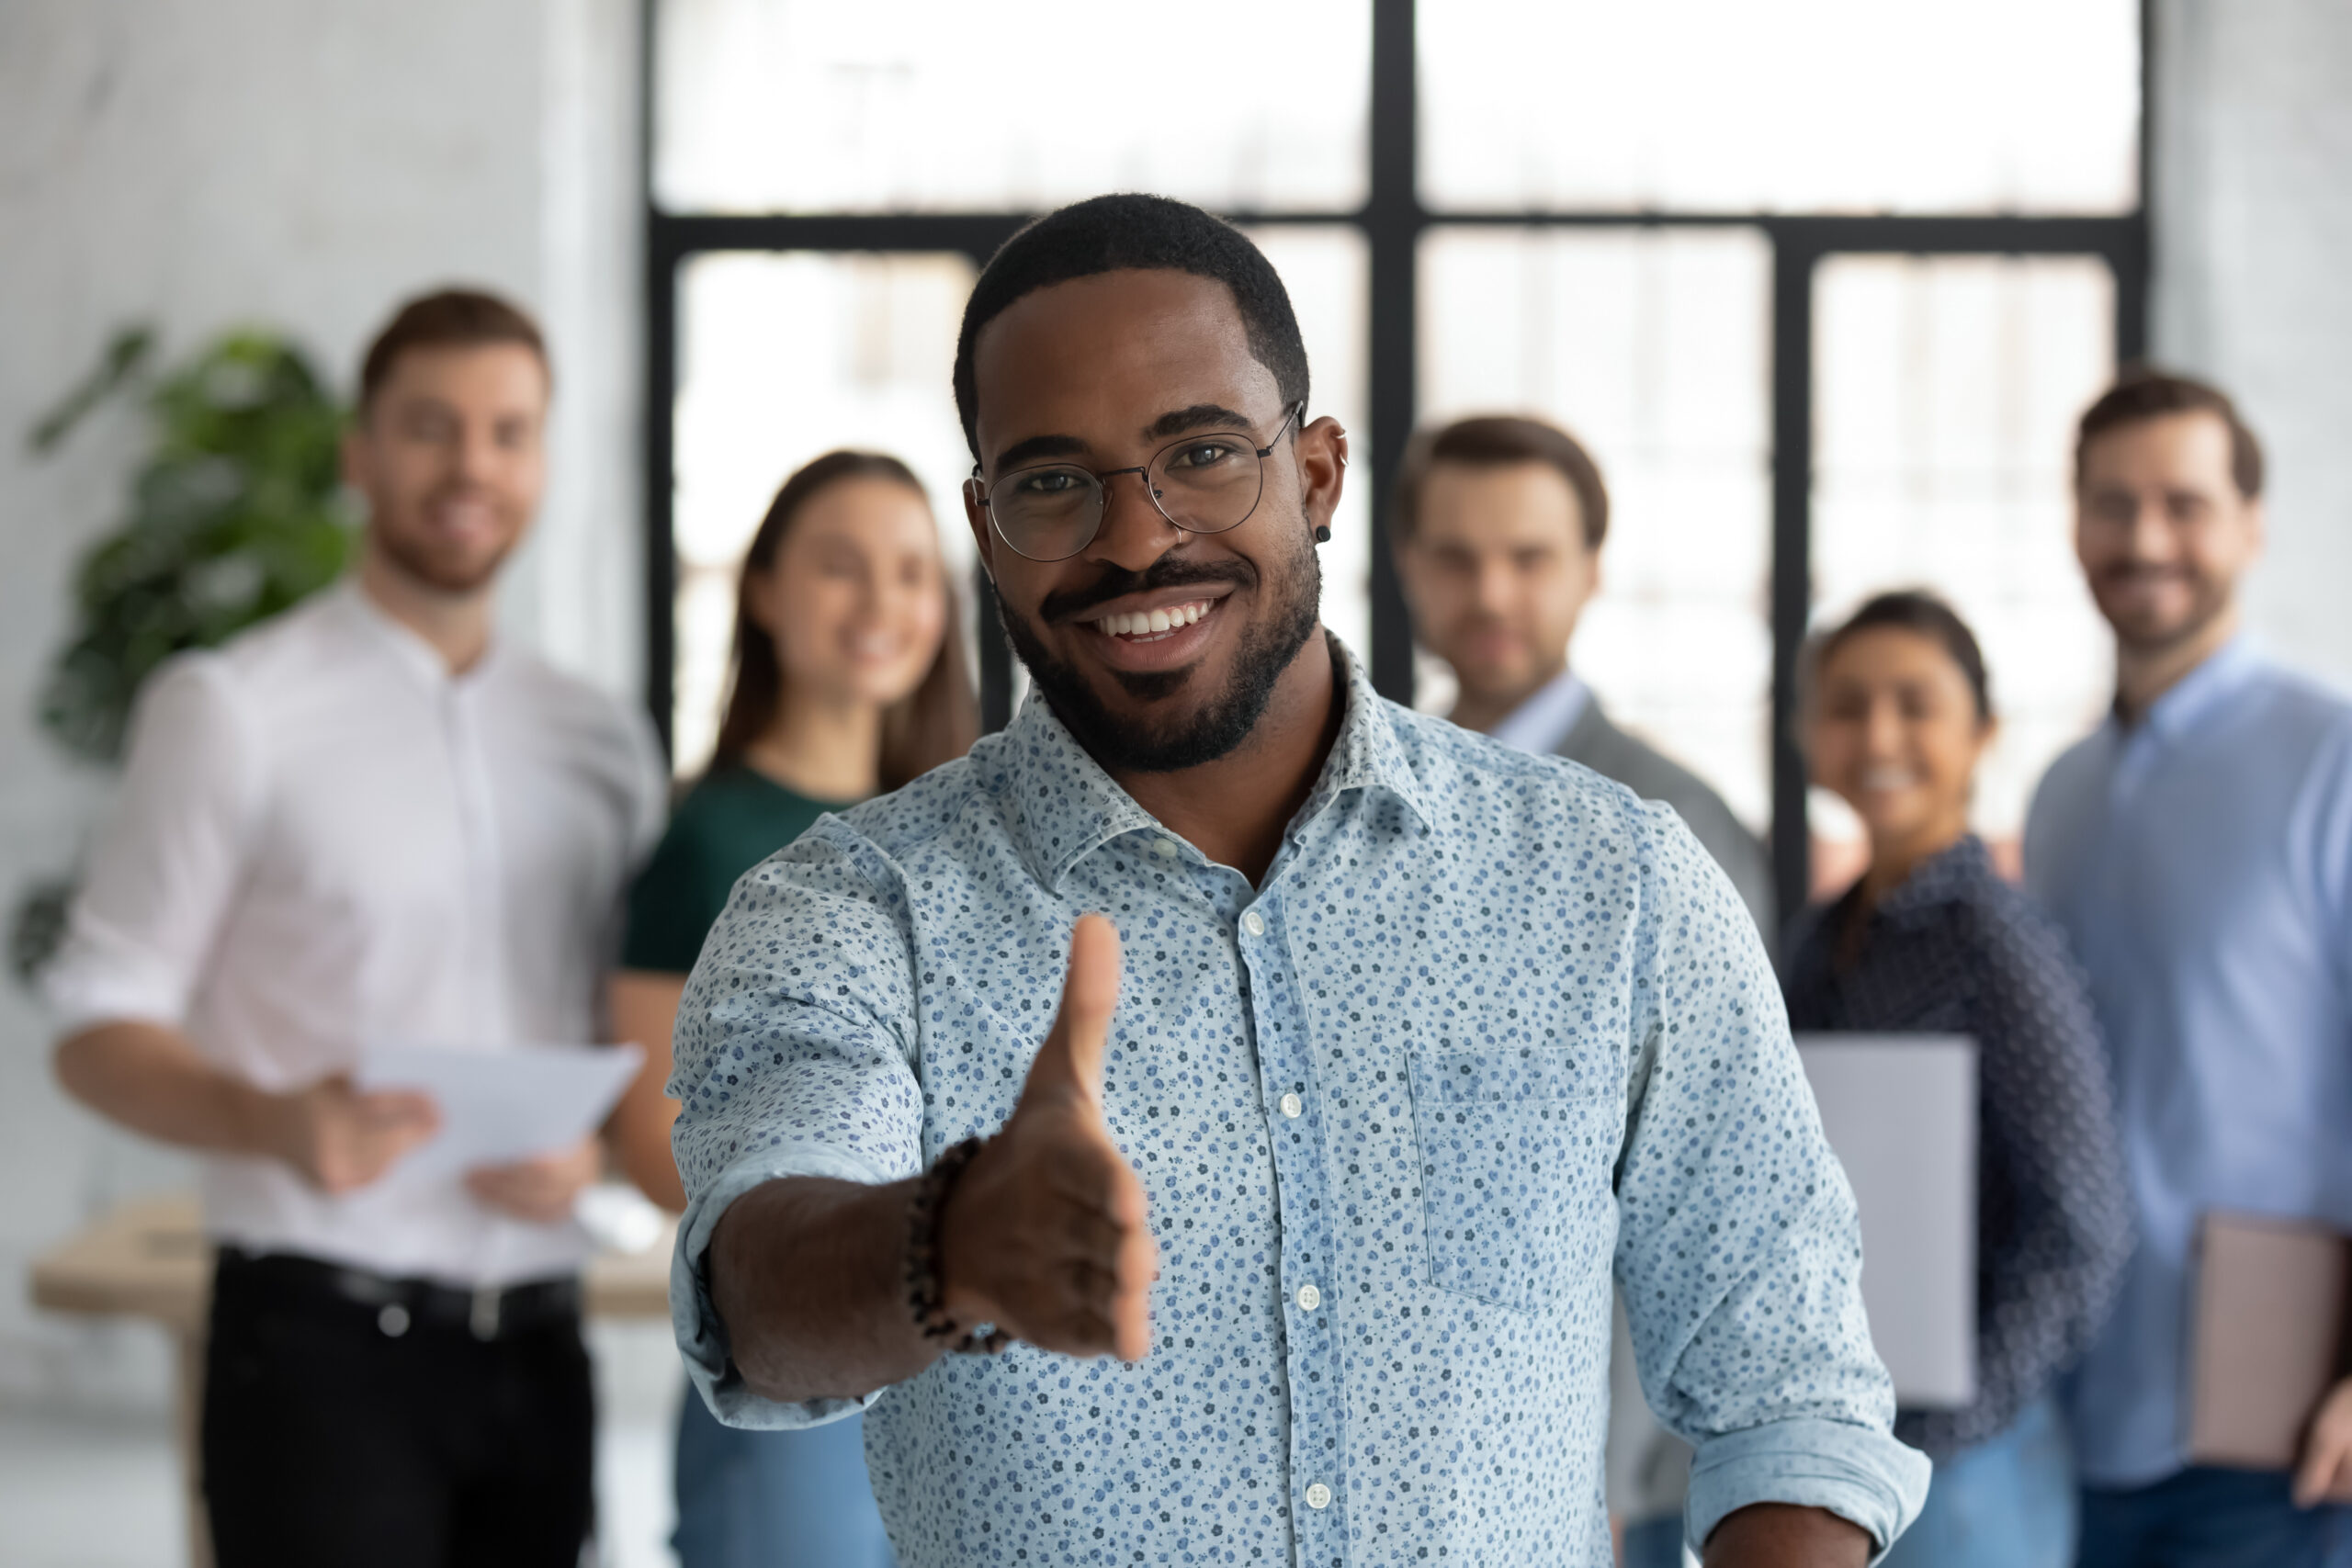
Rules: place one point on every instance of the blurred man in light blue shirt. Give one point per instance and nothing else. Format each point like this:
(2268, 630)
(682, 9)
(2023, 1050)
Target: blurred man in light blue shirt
(2198, 849)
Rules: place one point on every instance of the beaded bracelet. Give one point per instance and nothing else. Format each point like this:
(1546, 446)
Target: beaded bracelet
(925, 1294)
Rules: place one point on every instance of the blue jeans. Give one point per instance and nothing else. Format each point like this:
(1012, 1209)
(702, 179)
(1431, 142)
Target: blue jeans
(2008, 1502)
(774, 1499)
(1654, 1544)
(2211, 1518)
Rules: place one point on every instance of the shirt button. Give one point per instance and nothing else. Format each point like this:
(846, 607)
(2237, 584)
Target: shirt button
(1309, 1297)
(393, 1321)
(1318, 1495)
(1164, 847)
(1293, 1105)
(1253, 924)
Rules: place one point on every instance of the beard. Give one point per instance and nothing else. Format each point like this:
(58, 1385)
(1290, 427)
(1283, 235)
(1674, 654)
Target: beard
(445, 570)
(1149, 742)
(2142, 629)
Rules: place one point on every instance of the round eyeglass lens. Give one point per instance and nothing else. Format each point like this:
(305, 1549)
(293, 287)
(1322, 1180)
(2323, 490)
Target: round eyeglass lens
(1048, 514)
(1208, 484)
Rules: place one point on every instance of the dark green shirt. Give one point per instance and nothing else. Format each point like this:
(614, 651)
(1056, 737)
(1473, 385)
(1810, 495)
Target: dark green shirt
(728, 823)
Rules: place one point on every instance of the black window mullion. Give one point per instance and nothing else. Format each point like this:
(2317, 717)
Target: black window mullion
(1392, 224)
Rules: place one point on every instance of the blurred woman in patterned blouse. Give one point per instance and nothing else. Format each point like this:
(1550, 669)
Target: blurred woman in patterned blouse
(1930, 940)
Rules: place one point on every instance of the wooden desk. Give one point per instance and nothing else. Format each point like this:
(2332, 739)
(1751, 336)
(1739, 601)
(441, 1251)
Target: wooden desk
(150, 1259)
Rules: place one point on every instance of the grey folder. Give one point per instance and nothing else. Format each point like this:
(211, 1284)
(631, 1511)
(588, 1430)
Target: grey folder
(1900, 1112)
(2268, 1336)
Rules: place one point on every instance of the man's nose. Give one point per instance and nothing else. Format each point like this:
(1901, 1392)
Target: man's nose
(477, 454)
(2147, 534)
(1133, 532)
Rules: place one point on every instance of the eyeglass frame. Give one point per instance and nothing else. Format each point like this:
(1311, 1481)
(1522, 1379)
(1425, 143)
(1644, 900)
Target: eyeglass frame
(1296, 410)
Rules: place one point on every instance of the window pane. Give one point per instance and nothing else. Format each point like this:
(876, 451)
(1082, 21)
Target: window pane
(784, 356)
(925, 106)
(1795, 105)
(1328, 273)
(1651, 346)
(1946, 389)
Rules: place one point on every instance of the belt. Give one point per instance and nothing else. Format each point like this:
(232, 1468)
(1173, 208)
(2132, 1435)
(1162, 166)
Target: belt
(486, 1311)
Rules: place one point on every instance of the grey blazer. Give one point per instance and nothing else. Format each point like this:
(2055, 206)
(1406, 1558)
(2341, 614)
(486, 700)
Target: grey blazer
(1610, 752)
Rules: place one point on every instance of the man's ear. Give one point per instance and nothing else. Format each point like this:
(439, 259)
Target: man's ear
(976, 517)
(1322, 469)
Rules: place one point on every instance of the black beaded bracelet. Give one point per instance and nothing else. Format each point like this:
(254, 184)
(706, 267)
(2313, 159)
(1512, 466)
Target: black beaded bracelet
(925, 1294)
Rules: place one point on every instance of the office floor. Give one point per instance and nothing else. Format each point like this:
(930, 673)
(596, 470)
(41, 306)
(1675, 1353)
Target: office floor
(92, 1494)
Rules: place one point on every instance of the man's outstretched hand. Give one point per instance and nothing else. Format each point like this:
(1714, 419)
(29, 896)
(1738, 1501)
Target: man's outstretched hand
(1044, 1235)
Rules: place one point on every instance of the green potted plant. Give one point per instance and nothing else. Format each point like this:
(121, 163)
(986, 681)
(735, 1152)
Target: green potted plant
(236, 512)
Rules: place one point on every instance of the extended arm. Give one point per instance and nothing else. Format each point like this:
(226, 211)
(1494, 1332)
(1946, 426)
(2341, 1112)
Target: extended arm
(1043, 1236)
(1776, 1535)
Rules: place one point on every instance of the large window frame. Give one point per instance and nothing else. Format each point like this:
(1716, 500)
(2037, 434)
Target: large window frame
(1392, 221)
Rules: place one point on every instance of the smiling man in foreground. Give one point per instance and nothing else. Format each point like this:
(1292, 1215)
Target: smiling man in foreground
(1308, 1170)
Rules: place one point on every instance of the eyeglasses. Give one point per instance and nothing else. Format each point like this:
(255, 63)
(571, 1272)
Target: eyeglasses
(1203, 484)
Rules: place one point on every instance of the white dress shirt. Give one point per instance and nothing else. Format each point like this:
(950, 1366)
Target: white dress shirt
(324, 839)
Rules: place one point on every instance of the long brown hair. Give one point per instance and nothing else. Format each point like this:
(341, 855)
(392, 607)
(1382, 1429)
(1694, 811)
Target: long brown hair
(935, 723)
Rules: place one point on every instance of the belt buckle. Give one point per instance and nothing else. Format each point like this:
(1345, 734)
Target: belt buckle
(483, 1317)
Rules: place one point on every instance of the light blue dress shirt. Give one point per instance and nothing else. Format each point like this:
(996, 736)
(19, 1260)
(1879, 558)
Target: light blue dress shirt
(1543, 718)
(1489, 1024)
(2200, 861)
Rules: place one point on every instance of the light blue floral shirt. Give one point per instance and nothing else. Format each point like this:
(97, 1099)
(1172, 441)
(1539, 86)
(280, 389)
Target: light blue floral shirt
(1491, 1027)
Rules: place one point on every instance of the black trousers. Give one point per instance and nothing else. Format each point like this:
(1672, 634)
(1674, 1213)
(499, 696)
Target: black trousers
(329, 1441)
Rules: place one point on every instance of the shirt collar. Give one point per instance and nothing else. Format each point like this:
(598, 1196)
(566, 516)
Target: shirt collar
(2202, 690)
(411, 653)
(1065, 806)
(1545, 718)
(1940, 878)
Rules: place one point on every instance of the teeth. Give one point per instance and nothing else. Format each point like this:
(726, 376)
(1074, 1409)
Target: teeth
(1150, 623)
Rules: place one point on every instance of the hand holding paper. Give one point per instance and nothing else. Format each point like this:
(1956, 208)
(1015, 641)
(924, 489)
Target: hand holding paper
(506, 1106)
(341, 1139)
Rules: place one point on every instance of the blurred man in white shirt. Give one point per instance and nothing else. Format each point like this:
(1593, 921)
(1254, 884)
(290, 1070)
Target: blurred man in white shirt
(367, 820)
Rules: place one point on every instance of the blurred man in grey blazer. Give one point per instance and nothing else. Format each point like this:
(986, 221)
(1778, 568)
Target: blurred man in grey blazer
(1498, 526)
(1498, 523)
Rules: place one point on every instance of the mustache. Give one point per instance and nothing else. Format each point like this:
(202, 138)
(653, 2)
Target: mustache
(1113, 582)
(2135, 571)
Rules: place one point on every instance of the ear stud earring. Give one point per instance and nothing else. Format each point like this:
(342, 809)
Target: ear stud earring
(1322, 533)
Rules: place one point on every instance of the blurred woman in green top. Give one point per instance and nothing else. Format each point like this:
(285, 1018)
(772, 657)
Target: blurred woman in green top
(848, 680)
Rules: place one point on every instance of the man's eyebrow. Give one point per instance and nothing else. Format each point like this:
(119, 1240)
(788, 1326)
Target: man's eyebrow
(1024, 451)
(1200, 416)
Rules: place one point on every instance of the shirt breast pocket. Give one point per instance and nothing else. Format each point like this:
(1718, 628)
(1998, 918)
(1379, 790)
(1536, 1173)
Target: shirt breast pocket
(1518, 1147)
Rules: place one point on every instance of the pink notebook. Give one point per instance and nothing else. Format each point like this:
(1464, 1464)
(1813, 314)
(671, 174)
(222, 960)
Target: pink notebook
(2268, 1336)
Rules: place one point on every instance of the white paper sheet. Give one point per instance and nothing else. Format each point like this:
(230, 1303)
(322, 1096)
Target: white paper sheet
(504, 1104)
(1900, 1112)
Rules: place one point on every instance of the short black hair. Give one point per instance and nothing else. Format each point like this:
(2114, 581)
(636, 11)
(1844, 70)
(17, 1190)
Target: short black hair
(1111, 233)
(1915, 610)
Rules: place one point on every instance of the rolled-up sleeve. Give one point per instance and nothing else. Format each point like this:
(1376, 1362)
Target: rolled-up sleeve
(1739, 1249)
(793, 1058)
(168, 858)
